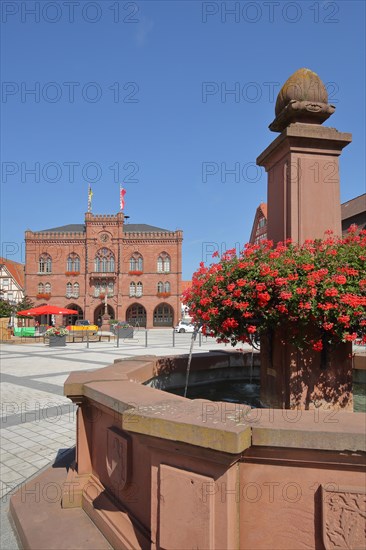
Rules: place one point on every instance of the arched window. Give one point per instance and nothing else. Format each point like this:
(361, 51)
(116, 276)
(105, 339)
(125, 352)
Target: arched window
(76, 290)
(102, 288)
(132, 289)
(47, 288)
(104, 261)
(160, 287)
(136, 262)
(45, 264)
(167, 287)
(163, 265)
(139, 289)
(68, 290)
(76, 263)
(40, 288)
(73, 262)
(167, 264)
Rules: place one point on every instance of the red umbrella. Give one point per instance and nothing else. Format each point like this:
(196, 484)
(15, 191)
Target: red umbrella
(47, 310)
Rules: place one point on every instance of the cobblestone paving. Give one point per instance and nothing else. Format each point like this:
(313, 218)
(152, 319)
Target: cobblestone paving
(36, 420)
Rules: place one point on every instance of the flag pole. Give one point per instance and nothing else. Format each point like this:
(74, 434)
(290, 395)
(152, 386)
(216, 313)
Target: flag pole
(90, 195)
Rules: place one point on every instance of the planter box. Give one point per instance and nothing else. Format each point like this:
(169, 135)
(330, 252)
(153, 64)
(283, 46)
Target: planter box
(57, 341)
(124, 332)
(295, 379)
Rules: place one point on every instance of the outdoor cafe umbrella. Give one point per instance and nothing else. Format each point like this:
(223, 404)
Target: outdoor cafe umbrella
(46, 310)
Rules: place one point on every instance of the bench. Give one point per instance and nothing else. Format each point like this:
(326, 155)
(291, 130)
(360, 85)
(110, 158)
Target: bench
(83, 336)
(104, 336)
(79, 335)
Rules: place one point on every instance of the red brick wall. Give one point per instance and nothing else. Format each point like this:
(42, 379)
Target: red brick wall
(123, 245)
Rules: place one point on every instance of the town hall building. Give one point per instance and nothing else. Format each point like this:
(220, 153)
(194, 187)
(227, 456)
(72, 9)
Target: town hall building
(132, 270)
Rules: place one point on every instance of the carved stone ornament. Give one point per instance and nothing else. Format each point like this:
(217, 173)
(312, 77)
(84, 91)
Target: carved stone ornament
(118, 458)
(302, 98)
(301, 111)
(344, 517)
(104, 237)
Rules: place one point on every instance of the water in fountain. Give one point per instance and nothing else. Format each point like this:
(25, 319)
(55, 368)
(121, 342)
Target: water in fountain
(234, 391)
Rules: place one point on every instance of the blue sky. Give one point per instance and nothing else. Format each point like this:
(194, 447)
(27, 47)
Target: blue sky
(138, 92)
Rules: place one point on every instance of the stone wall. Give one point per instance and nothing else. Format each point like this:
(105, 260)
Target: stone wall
(154, 470)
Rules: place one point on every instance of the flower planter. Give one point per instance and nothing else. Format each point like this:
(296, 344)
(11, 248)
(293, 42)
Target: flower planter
(305, 379)
(124, 332)
(57, 341)
(43, 296)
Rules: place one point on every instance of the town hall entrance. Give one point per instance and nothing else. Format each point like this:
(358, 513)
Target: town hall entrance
(163, 316)
(136, 315)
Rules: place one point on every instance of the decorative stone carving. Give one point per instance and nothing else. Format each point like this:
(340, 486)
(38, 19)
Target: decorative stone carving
(303, 98)
(104, 237)
(303, 85)
(118, 459)
(344, 517)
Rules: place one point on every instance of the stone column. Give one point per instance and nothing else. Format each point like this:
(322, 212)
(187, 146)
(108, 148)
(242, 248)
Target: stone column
(303, 182)
(302, 163)
(303, 203)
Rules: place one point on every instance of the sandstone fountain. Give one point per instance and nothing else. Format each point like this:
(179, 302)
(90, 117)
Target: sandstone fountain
(155, 470)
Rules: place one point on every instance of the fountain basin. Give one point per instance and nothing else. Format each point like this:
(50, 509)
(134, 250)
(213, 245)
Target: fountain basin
(156, 470)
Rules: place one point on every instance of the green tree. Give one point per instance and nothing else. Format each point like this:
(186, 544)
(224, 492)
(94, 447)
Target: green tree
(26, 303)
(5, 308)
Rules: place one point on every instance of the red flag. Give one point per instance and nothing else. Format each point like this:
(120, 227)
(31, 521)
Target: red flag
(122, 198)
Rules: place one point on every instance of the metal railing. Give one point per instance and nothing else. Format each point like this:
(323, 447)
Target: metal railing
(141, 338)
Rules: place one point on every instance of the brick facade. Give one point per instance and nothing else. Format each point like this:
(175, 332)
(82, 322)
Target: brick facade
(90, 260)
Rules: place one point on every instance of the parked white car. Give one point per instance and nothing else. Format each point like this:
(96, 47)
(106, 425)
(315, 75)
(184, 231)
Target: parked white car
(185, 326)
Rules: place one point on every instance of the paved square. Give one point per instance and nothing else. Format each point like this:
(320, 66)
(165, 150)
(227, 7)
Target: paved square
(37, 421)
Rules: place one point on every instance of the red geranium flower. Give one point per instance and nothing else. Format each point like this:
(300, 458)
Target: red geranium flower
(331, 291)
(317, 284)
(339, 279)
(318, 346)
